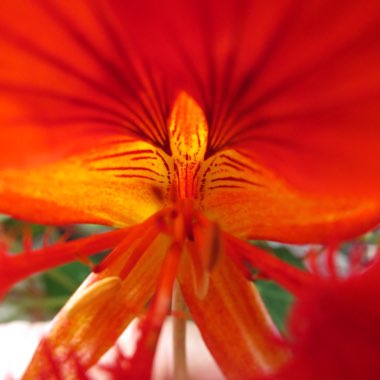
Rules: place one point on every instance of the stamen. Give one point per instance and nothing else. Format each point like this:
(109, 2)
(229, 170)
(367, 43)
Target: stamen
(286, 275)
(331, 254)
(96, 292)
(311, 259)
(27, 238)
(210, 239)
(147, 239)
(14, 268)
(141, 236)
(186, 208)
(46, 237)
(200, 277)
(204, 254)
(356, 257)
(150, 327)
(179, 334)
(85, 261)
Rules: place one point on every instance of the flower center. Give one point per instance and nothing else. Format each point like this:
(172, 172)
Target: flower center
(188, 134)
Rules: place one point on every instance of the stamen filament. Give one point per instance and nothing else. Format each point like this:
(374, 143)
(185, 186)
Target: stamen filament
(150, 327)
(291, 278)
(330, 260)
(179, 334)
(14, 268)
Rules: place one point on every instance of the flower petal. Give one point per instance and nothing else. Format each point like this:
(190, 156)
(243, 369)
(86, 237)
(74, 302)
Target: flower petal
(334, 330)
(233, 322)
(297, 85)
(105, 304)
(300, 118)
(311, 115)
(70, 64)
(89, 187)
(250, 201)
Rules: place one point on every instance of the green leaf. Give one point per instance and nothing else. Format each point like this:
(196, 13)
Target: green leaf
(277, 300)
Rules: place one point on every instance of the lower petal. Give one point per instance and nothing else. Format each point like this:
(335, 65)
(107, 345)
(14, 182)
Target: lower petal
(102, 307)
(233, 321)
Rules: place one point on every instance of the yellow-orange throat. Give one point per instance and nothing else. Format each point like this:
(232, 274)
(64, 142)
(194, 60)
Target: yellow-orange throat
(188, 134)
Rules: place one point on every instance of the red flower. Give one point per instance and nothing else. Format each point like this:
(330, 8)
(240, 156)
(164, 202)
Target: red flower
(177, 121)
(334, 329)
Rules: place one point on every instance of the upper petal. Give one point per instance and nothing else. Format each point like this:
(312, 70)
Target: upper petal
(296, 84)
(69, 70)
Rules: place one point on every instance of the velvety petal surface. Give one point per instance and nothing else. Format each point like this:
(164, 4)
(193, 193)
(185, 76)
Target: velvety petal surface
(233, 322)
(67, 67)
(295, 84)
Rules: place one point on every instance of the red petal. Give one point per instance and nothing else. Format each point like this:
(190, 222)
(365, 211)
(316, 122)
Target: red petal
(296, 84)
(69, 67)
(335, 330)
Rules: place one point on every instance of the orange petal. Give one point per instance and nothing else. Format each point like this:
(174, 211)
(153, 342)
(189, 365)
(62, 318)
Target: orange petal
(311, 118)
(89, 187)
(104, 305)
(70, 85)
(250, 201)
(233, 321)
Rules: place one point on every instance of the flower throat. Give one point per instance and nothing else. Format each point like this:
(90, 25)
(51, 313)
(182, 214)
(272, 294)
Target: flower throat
(188, 134)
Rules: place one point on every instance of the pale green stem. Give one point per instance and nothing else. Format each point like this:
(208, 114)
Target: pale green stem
(179, 334)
